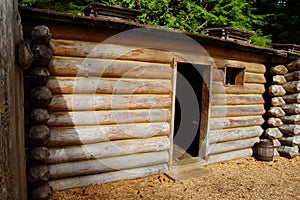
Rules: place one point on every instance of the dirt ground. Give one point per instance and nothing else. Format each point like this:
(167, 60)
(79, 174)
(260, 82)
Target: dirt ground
(244, 178)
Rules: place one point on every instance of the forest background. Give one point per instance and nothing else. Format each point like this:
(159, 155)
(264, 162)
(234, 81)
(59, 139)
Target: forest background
(274, 21)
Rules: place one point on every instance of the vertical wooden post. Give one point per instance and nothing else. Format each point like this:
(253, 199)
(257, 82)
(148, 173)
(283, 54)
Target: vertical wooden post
(12, 150)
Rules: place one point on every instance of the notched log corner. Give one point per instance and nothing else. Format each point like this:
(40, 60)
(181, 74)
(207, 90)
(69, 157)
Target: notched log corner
(25, 56)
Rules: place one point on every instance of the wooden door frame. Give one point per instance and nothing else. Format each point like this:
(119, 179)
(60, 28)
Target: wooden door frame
(205, 111)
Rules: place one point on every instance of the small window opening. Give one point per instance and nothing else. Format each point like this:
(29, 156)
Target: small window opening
(234, 75)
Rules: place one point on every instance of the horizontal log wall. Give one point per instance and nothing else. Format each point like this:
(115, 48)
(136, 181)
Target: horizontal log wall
(110, 114)
(236, 111)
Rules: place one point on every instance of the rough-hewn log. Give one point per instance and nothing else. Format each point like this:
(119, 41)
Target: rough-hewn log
(39, 75)
(277, 101)
(108, 102)
(289, 152)
(67, 183)
(223, 99)
(39, 135)
(100, 150)
(276, 112)
(42, 192)
(292, 98)
(292, 108)
(39, 116)
(231, 145)
(230, 155)
(41, 55)
(290, 129)
(292, 119)
(293, 76)
(273, 133)
(226, 135)
(290, 141)
(68, 85)
(278, 80)
(295, 65)
(73, 169)
(24, 55)
(41, 97)
(276, 144)
(106, 51)
(255, 78)
(279, 70)
(234, 122)
(41, 35)
(38, 174)
(293, 86)
(219, 88)
(95, 134)
(274, 122)
(12, 145)
(276, 90)
(108, 117)
(235, 111)
(39, 154)
(68, 66)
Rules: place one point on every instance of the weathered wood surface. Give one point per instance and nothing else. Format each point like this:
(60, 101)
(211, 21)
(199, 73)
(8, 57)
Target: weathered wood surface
(249, 66)
(291, 119)
(25, 55)
(226, 135)
(227, 99)
(292, 86)
(220, 88)
(41, 35)
(38, 174)
(40, 97)
(295, 65)
(72, 169)
(67, 183)
(276, 144)
(41, 55)
(39, 135)
(108, 117)
(218, 75)
(95, 134)
(273, 133)
(277, 101)
(86, 102)
(234, 122)
(86, 67)
(72, 85)
(292, 98)
(39, 75)
(290, 141)
(223, 147)
(276, 112)
(278, 80)
(235, 111)
(70, 48)
(276, 91)
(12, 145)
(289, 152)
(39, 116)
(230, 155)
(293, 76)
(274, 122)
(279, 70)
(292, 108)
(42, 192)
(100, 150)
(290, 129)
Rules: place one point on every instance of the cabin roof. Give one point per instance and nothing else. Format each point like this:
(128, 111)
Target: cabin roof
(113, 23)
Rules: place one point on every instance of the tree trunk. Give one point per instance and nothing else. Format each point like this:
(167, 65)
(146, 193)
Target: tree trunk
(12, 150)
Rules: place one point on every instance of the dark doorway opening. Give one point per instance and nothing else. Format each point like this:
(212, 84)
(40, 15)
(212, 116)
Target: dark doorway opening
(191, 106)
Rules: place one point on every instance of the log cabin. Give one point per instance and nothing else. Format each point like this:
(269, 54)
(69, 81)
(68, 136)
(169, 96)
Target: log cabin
(110, 99)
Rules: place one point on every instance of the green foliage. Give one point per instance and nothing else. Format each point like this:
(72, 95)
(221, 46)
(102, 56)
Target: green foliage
(187, 15)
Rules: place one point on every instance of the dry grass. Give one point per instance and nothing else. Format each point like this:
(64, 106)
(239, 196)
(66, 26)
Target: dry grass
(238, 179)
